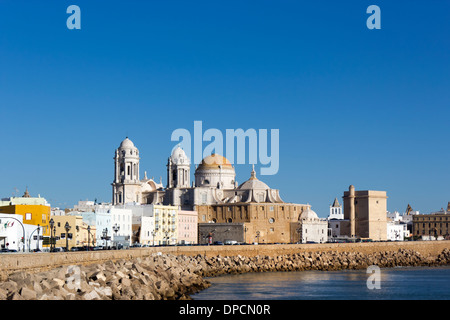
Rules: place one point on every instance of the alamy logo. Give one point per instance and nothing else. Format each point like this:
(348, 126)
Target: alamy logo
(74, 20)
(374, 21)
(374, 280)
(258, 145)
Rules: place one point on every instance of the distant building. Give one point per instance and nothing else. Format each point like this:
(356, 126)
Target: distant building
(396, 231)
(34, 210)
(311, 228)
(187, 227)
(338, 228)
(101, 220)
(366, 213)
(406, 219)
(12, 234)
(121, 225)
(89, 206)
(78, 234)
(433, 226)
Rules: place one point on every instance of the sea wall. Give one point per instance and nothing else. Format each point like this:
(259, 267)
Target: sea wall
(35, 262)
(175, 274)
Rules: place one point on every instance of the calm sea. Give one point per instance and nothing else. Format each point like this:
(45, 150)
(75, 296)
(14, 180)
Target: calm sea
(405, 283)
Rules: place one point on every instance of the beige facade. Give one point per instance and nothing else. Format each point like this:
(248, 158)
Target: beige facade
(77, 235)
(263, 222)
(366, 212)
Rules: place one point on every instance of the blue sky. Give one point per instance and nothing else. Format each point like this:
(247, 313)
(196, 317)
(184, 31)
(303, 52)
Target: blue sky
(353, 105)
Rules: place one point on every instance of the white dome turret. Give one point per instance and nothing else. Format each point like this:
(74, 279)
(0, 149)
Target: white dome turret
(127, 144)
(179, 157)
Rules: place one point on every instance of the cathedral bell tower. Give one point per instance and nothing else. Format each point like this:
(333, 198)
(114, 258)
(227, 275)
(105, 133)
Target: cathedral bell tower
(178, 169)
(126, 184)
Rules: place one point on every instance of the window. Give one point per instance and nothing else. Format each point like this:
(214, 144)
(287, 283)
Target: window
(28, 216)
(271, 208)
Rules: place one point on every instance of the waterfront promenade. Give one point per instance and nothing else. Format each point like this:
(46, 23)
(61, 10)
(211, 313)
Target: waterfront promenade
(36, 262)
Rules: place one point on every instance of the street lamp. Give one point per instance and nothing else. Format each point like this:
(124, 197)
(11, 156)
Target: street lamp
(116, 229)
(29, 239)
(167, 237)
(67, 227)
(89, 239)
(54, 235)
(153, 234)
(105, 236)
(37, 243)
(245, 234)
(51, 223)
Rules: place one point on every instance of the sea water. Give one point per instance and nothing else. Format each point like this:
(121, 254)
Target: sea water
(401, 283)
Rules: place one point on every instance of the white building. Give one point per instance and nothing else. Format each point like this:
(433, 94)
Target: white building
(396, 231)
(121, 225)
(57, 212)
(312, 228)
(12, 234)
(143, 223)
(147, 231)
(405, 218)
(90, 206)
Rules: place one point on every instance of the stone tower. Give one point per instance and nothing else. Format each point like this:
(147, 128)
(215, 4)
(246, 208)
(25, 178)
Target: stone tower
(126, 184)
(178, 169)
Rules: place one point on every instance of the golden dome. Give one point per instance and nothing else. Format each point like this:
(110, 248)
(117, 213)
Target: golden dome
(214, 161)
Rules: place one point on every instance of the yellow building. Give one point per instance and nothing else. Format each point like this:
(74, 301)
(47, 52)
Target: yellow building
(77, 236)
(166, 217)
(35, 211)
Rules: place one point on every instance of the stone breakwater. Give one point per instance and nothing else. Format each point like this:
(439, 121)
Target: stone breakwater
(170, 277)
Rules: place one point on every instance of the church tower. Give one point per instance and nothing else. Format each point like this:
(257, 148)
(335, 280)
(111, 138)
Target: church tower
(126, 185)
(178, 169)
(336, 211)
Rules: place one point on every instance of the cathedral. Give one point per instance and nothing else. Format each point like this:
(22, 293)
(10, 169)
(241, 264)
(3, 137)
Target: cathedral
(215, 182)
(250, 212)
